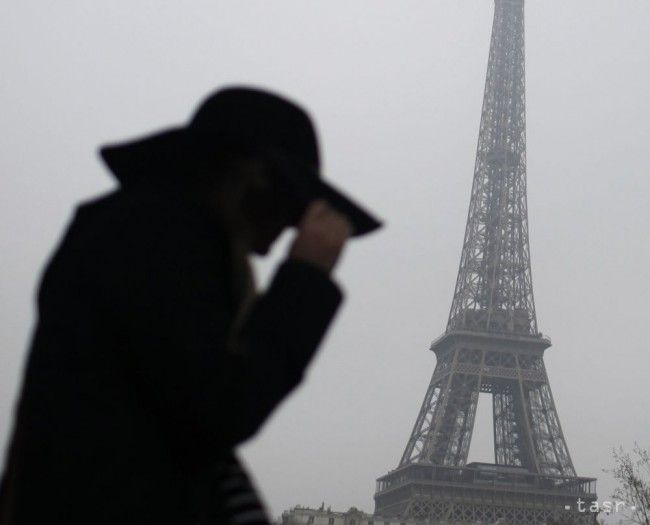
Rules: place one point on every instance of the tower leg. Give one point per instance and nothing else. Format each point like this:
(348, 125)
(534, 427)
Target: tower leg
(551, 451)
(443, 430)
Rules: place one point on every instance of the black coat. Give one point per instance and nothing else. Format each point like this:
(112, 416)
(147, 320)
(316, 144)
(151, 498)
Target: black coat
(131, 390)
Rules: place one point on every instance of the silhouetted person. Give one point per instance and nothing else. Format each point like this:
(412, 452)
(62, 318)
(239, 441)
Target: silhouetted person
(152, 359)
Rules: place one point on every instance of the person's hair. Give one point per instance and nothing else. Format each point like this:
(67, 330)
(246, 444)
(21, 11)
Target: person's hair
(236, 171)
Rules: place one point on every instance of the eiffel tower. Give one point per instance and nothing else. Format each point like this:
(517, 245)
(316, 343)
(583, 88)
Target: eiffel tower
(491, 345)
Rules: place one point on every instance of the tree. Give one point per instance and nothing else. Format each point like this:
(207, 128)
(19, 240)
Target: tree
(632, 472)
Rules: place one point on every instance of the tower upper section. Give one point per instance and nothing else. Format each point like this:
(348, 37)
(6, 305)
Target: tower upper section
(494, 291)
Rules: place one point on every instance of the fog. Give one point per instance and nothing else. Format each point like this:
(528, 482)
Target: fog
(396, 90)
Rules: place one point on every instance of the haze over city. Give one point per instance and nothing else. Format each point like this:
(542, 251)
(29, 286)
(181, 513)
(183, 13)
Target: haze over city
(396, 91)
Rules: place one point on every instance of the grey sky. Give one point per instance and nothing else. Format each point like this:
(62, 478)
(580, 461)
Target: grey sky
(396, 89)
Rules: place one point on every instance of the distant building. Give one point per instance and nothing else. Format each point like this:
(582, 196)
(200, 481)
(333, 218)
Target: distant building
(306, 516)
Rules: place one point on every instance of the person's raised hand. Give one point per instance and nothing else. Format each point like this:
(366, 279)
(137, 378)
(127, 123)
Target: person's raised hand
(322, 234)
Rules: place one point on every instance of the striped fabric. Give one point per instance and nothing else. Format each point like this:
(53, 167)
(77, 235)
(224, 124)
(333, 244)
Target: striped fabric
(231, 499)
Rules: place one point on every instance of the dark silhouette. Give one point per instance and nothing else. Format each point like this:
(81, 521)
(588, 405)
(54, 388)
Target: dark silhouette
(152, 359)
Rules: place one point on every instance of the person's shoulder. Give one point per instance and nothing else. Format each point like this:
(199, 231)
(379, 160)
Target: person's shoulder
(134, 210)
(149, 222)
(100, 218)
(98, 202)
(124, 205)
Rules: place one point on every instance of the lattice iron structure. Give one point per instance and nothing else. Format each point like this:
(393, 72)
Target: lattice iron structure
(494, 289)
(492, 343)
(483, 493)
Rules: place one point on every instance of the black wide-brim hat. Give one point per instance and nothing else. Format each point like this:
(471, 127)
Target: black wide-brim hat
(239, 119)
